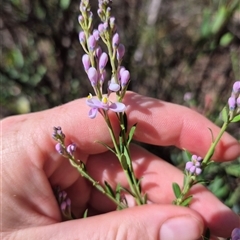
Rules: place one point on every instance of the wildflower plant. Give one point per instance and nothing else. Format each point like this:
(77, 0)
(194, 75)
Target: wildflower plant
(102, 47)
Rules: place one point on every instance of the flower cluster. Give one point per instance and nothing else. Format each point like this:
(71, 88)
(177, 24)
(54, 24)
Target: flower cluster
(194, 166)
(234, 100)
(64, 203)
(96, 59)
(59, 136)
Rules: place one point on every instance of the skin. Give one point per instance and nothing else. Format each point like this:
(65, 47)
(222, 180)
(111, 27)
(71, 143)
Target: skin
(30, 168)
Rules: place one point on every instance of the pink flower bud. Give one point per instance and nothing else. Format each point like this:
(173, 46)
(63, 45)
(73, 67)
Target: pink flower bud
(93, 75)
(103, 61)
(125, 76)
(86, 62)
(115, 40)
(232, 103)
(96, 34)
(236, 87)
(82, 37)
(91, 43)
(98, 52)
(101, 28)
(120, 52)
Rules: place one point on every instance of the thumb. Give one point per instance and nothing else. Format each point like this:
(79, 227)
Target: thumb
(164, 222)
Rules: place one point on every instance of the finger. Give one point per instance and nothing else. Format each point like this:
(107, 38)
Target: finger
(158, 123)
(157, 178)
(146, 222)
(166, 124)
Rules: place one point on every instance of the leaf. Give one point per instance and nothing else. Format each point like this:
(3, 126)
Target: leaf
(108, 147)
(109, 189)
(211, 134)
(118, 192)
(226, 39)
(233, 169)
(85, 213)
(186, 201)
(220, 19)
(124, 162)
(224, 114)
(176, 190)
(236, 118)
(131, 133)
(186, 155)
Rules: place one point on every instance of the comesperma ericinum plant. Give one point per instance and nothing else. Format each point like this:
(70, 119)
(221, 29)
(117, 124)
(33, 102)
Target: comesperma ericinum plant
(102, 46)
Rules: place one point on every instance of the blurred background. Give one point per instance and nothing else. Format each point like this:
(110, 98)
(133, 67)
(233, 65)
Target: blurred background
(186, 52)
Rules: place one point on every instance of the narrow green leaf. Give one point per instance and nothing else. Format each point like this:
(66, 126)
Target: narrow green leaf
(219, 19)
(85, 213)
(108, 147)
(124, 162)
(109, 189)
(236, 118)
(176, 190)
(131, 133)
(186, 201)
(211, 134)
(224, 114)
(118, 192)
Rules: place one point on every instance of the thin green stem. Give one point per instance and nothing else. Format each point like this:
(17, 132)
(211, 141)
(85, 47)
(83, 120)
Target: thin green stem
(95, 183)
(211, 150)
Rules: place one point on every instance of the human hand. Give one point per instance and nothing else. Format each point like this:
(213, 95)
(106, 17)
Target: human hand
(31, 167)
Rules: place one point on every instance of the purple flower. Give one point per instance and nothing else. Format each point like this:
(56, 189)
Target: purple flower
(115, 40)
(86, 62)
(235, 234)
(98, 52)
(96, 34)
(124, 76)
(93, 76)
(120, 52)
(59, 148)
(236, 87)
(82, 37)
(103, 61)
(232, 103)
(71, 148)
(96, 104)
(194, 166)
(114, 87)
(91, 43)
(101, 28)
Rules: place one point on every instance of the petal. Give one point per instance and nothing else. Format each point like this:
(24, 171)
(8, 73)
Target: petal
(198, 171)
(192, 169)
(94, 103)
(117, 107)
(93, 112)
(114, 87)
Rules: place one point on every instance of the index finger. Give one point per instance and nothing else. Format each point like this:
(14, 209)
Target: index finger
(166, 124)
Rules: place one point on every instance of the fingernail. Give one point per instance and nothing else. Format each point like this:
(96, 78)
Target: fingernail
(181, 228)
